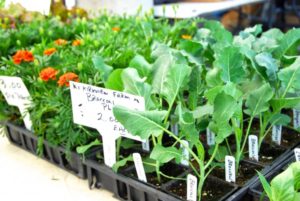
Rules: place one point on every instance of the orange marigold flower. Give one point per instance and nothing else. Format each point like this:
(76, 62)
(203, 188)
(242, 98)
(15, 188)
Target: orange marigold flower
(48, 73)
(65, 78)
(23, 55)
(49, 51)
(76, 42)
(60, 42)
(186, 37)
(116, 29)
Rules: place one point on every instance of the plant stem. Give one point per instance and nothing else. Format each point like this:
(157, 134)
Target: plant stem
(119, 141)
(157, 165)
(170, 177)
(212, 156)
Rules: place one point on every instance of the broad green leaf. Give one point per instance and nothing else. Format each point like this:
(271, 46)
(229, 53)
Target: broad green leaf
(255, 30)
(290, 77)
(201, 111)
(192, 50)
(289, 39)
(141, 123)
(212, 93)
(258, 100)
(83, 149)
(159, 49)
(274, 33)
(213, 77)
(219, 33)
(280, 103)
(282, 186)
(265, 44)
(296, 172)
(232, 90)
(280, 119)
(103, 68)
(135, 85)
(265, 184)
(176, 78)
(269, 63)
(165, 154)
(121, 163)
(141, 65)
(128, 143)
(221, 153)
(231, 67)
(149, 165)
(224, 107)
(114, 80)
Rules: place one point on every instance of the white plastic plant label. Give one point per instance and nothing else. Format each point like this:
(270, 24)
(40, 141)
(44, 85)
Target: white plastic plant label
(276, 134)
(191, 188)
(138, 163)
(230, 169)
(92, 106)
(210, 137)
(253, 147)
(146, 146)
(296, 117)
(16, 94)
(297, 154)
(186, 156)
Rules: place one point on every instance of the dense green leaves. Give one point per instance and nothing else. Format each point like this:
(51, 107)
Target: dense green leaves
(288, 40)
(141, 65)
(265, 60)
(103, 68)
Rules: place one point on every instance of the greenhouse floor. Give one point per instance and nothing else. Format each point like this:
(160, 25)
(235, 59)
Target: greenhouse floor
(27, 177)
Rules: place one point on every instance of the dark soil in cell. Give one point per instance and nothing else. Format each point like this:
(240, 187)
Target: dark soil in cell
(213, 189)
(289, 138)
(170, 169)
(246, 172)
(268, 153)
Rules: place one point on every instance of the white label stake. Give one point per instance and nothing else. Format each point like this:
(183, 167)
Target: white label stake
(146, 145)
(16, 94)
(191, 188)
(210, 137)
(230, 169)
(296, 115)
(297, 154)
(92, 106)
(138, 163)
(253, 147)
(276, 134)
(186, 156)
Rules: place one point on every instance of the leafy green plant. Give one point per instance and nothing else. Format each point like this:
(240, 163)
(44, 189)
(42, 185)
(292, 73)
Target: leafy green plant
(285, 186)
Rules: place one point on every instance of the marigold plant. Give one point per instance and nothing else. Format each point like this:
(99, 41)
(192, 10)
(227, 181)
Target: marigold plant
(186, 37)
(49, 51)
(60, 42)
(48, 73)
(116, 29)
(65, 78)
(76, 42)
(23, 55)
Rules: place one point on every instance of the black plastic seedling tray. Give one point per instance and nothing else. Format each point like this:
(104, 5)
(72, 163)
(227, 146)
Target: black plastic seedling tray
(26, 140)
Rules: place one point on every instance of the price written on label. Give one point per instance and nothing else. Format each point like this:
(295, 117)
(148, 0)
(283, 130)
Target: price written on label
(210, 137)
(16, 94)
(253, 147)
(276, 134)
(92, 106)
(296, 117)
(191, 188)
(230, 169)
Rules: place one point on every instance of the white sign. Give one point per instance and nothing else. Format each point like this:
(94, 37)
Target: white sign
(230, 169)
(276, 134)
(16, 94)
(253, 147)
(191, 192)
(210, 137)
(92, 106)
(296, 115)
(32, 5)
(186, 156)
(138, 163)
(297, 154)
